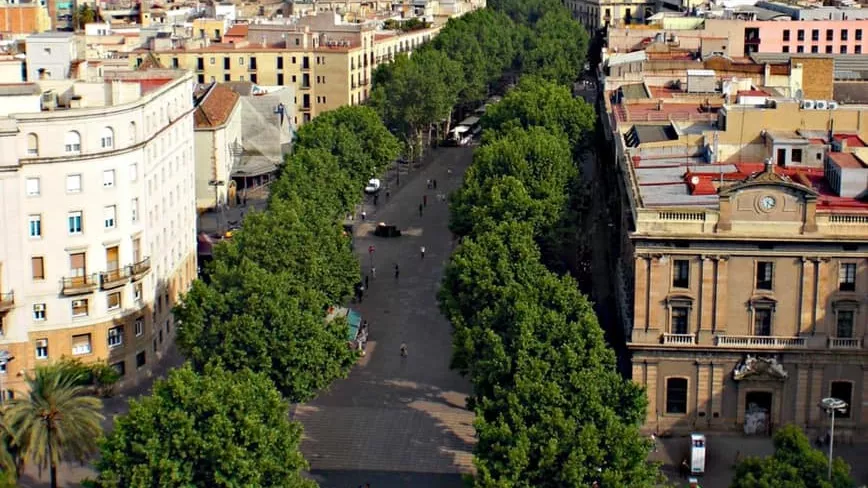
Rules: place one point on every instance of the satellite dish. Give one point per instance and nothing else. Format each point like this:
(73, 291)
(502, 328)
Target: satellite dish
(694, 180)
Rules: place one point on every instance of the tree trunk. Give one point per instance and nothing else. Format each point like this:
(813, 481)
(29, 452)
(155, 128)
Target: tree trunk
(52, 474)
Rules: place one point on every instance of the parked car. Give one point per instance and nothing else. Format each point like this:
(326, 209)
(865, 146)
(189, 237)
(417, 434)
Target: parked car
(373, 186)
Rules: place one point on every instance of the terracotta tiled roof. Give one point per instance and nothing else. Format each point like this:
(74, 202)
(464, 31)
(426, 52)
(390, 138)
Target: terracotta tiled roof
(215, 107)
(237, 30)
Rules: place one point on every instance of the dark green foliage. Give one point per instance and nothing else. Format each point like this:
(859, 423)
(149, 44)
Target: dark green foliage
(218, 429)
(795, 464)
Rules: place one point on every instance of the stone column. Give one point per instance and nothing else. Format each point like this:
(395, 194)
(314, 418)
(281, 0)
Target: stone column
(806, 298)
(814, 412)
(653, 397)
(721, 300)
(658, 286)
(706, 301)
(825, 282)
(703, 389)
(640, 293)
(718, 375)
(863, 420)
(802, 395)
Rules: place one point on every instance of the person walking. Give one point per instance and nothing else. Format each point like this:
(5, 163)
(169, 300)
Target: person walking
(403, 350)
(375, 199)
(434, 183)
(428, 183)
(420, 210)
(388, 194)
(422, 251)
(654, 442)
(366, 281)
(373, 272)
(397, 271)
(424, 200)
(364, 215)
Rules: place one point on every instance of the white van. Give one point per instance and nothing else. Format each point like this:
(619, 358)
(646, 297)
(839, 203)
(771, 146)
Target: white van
(697, 453)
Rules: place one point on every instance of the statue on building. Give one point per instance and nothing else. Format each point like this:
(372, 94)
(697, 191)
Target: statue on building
(757, 367)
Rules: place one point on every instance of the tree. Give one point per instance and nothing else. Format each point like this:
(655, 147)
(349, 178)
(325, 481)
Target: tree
(55, 421)
(557, 50)
(10, 459)
(795, 464)
(218, 429)
(82, 16)
(268, 322)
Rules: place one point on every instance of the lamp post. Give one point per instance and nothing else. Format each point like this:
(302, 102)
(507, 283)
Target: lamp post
(218, 210)
(831, 405)
(5, 357)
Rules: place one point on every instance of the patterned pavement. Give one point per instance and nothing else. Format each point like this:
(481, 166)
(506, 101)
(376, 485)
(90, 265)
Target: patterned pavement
(399, 421)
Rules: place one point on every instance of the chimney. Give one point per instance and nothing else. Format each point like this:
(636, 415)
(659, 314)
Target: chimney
(770, 166)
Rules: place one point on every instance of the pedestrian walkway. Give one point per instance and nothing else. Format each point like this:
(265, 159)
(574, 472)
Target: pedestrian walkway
(399, 420)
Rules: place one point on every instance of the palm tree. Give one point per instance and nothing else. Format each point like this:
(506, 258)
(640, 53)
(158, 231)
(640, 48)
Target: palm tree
(10, 461)
(56, 421)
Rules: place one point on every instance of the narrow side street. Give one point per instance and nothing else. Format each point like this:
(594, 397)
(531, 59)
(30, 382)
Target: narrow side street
(398, 422)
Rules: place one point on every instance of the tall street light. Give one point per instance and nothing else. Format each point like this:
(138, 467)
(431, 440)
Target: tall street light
(831, 405)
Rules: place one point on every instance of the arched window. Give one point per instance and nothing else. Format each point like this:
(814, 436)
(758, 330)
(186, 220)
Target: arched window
(72, 142)
(32, 144)
(676, 395)
(132, 132)
(107, 138)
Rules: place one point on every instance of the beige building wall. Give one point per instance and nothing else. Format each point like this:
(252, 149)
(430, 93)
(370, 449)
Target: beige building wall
(216, 151)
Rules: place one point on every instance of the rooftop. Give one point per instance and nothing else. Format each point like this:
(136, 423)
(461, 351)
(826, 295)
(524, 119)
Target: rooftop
(214, 107)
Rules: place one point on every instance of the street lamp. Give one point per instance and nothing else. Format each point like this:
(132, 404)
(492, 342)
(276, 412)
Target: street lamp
(218, 210)
(5, 357)
(831, 405)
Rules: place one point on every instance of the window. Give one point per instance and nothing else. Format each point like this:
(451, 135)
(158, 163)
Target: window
(132, 134)
(134, 172)
(34, 223)
(120, 368)
(38, 267)
(134, 209)
(279, 62)
(796, 156)
(107, 138)
(42, 349)
(115, 336)
(843, 49)
(847, 277)
(113, 300)
(73, 183)
(844, 325)
(842, 390)
(857, 49)
(800, 34)
(786, 49)
(828, 49)
(786, 35)
(212, 61)
(815, 35)
(676, 395)
(858, 34)
(74, 221)
(32, 187)
(226, 77)
(680, 320)
(79, 308)
(844, 34)
(800, 49)
(764, 271)
(140, 327)
(137, 291)
(108, 178)
(72, 142)
(39, 312)
(254, 78)
(109, 215)
(140, 359)
(32, 144)
(681, 273)
(81, 344)
(280, 79)
(226, 62)
(815, 49)
(762, 321)
(830, 35)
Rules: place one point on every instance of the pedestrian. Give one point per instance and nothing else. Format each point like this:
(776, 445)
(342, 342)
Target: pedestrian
(375, 199)
(422, 251)
(424, 200)
(420, 210)
(429, 184)
(364, 215)
(685, 468)
(449, 171)
(403, 350)
(396, 271)
(365, 326)
(434, 183)
(366, 281)
(654, 441)
(388, 194)
(373, 272)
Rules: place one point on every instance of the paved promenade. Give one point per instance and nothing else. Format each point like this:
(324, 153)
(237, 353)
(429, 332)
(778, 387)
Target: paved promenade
(395, 421)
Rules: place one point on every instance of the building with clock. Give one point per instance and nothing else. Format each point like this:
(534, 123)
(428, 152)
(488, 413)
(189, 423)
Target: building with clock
(743, 260)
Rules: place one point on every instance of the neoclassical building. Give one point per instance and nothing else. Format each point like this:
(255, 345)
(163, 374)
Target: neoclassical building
(97, 220)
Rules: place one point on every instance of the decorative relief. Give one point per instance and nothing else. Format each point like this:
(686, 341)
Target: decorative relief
(759, 368)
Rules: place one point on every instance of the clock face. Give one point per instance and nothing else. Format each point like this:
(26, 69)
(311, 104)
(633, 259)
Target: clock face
(767, 203)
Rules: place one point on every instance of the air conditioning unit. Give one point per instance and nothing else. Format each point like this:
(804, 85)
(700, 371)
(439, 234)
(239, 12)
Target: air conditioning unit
(808, 104)
(42, 343)
(833, 105)
(79, 303)
(821, 105)
(49, 100)
(39, 307)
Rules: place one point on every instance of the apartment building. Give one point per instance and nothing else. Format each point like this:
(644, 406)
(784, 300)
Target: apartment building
(328, 63)
(742, 236)
(97, 220)
(597, 14)
(23, 19)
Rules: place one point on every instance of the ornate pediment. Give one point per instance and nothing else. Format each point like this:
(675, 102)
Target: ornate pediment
(768, 177)
(756, 368)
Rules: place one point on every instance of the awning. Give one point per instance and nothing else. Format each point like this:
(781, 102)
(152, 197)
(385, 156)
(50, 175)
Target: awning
(354, 321)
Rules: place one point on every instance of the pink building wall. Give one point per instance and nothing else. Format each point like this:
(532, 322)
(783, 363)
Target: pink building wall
(772, 35)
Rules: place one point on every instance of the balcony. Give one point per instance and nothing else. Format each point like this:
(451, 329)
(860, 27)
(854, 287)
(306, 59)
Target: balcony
(305, 108)
(762, 342)
(305, 86)
(364, 82)
(305, 67)
(755, 41)
(678, 339)
(844, 343)
(140, 269)
(114, 278)
(78, 285)
(7, 301)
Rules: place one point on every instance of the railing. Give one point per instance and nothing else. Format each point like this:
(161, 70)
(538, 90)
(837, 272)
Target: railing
(7, 301)
(364, 82)
(305, 86)
(762, 342)
(848, 219)
(679, 339)
(844, 343)
(115, 278)
(306, 108)
(74, 285)
(672, 116)
(681, 216)
(137, 270)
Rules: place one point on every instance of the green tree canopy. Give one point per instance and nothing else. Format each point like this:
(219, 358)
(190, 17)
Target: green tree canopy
(795, 464)
(218, 429)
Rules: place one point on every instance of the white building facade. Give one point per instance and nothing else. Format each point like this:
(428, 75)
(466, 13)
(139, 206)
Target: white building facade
(97, 221)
